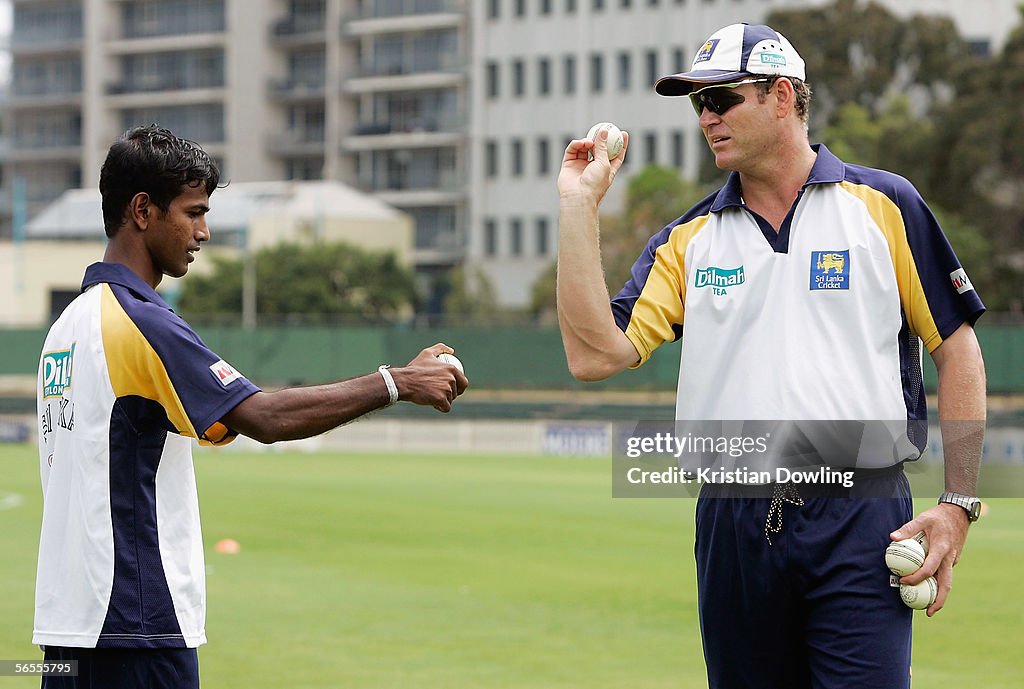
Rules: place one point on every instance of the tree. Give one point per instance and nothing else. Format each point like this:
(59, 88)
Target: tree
(471, 296)
(542, 295)
(860, 53)
(319, 283)
(654, 197)
(908, 95)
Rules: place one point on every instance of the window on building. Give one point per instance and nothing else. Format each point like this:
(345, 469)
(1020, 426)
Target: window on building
(515, 237)
(493, 80)
(597, 5)
(569, 73)
(490, 237)
(201, 123)
(303, 168)
(981, 47)
(542, 239)
(491, 158)
(520, 8)
(625, 4)
(437, 227)
(570, 6)
(545, 6)
(518, 78)
(517, 157)
(543, 156)
(543, 76)
(597, 72)
(677, 149)
(494, 9)
(624, 70)
(651, 59)
(650, 148)
(679, 60)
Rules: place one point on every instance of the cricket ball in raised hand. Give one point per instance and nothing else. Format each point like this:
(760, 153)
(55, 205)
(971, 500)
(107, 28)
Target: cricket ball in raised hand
(615, 141)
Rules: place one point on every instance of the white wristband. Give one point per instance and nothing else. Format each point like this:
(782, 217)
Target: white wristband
(390, 382)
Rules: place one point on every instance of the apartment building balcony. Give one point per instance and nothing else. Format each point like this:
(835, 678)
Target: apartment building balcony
(169, 82)
(44, 45)
(406, 134)
(37, 148)
(297, 89)
(398, 16)
(417, 188)
(119, 45)
(42, 100)
(118, 97)
(298, 30)
(297, 143)
(407, 77)
(441, 196)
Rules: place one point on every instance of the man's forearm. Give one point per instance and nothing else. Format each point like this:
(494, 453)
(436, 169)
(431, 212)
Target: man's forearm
(296, 413)
(962, 409)
(594, 346)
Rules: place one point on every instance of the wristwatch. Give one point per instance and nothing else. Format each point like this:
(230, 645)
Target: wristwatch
(972, 506)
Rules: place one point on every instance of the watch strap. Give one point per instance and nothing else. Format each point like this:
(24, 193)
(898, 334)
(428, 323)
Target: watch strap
(970, 504)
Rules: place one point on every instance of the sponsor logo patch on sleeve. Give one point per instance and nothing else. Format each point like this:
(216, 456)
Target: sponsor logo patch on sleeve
(961, 282)
(225, 372)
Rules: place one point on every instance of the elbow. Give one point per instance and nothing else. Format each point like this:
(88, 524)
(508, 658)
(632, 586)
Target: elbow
(264, 433)
(590, 371)
(262, 438)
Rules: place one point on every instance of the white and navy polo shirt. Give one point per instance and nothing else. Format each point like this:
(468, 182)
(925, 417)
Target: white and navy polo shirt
(124, 385)
(820, 321)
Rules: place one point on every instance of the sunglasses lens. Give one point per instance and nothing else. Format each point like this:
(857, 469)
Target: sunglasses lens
(717, 100)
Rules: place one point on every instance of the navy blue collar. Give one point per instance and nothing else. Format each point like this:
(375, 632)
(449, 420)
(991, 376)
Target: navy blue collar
(120, 274)
(827, 169)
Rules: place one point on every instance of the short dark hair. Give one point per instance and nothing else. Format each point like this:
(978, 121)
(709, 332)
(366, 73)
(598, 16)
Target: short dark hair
(151, 159)
(801, 90)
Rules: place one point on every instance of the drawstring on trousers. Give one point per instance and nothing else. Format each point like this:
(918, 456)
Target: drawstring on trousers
(781, 493)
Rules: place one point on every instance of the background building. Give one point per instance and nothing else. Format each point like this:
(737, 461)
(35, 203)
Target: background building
(43, 273)
(454, 111)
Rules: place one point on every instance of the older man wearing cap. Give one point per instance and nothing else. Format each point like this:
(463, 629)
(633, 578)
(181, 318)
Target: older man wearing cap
(802, 290)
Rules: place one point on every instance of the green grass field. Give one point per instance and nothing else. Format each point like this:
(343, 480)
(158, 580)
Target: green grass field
(476, 572)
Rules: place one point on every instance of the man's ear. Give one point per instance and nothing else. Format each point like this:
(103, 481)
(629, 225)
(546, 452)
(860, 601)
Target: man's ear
(785, 96)
(140, 208)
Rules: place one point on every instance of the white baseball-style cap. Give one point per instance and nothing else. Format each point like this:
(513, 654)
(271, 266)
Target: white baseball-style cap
(737, 51)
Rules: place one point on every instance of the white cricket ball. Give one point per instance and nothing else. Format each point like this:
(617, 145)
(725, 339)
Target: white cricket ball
(919, 596)
(904, 557)
(614, 138)
(452, 360)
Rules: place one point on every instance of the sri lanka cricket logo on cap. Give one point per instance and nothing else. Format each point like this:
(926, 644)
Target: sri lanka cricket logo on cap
(57, 372)
(830, 270)
(706, 51)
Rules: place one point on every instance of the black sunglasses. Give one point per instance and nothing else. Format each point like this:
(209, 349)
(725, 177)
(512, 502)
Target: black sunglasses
(718, 98)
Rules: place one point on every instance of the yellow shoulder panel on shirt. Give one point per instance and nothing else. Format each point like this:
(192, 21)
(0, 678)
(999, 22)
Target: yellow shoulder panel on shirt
(888, 218)
(660, 304)
(134, 366)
